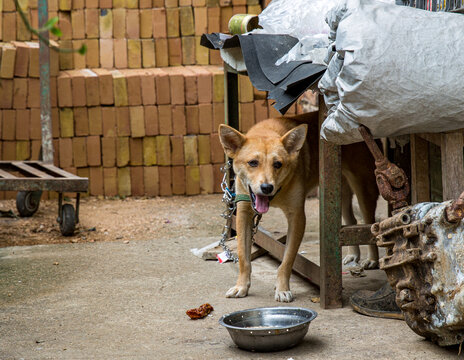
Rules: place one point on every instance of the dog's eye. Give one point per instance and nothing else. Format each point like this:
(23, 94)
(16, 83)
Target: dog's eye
(277, 165)
(253, 163)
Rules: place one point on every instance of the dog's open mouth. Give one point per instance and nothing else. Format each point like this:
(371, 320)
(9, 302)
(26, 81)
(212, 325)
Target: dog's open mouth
(260, 202)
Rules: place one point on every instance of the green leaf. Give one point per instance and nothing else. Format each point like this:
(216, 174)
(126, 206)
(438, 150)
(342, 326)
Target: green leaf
(51, 23)
(56, 31)
(83, 49)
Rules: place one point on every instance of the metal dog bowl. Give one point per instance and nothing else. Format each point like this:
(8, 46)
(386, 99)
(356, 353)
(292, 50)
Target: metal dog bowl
(268, 329)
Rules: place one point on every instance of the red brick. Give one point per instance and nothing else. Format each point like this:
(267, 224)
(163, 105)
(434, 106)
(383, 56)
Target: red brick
(147, 83)
(9, 26)
(36, 146)
(205, 115)
(206, 179)
(122, 151)
(78, 59)
(33, 59)
(22, 59)
(177, 150)
(6, 94)
(161, 52)
(201, 20)
(81, 121)
(178, 180)
(165, 119)
(56, 152)
(33, 96)
(151, 180)
(226, 14)
(53, 92)
(92, 56)
(134, 87)
(175, 51)
(192, 177)
(91, 87)
(204, 149)
(36, 127)
(119, 23)
(79, 151)
(151, 120)
(132, 24)
(124, 182)
(193, 120)
(177, 85)
(204, 84)
(120, 53)
(9, 125)
(137, 121)
(137, 185)
(165, 184)
(110, 181)
(179, 125)
(191, 87)
(261, 110)
(92, 29)
(217, 152)
(218, 175)
(108, 149)
(163, 91)
(19, 93)
(22, 124)
(96, 180)
(66, 152)
(64, 90)
(95, 121)
(93, 150)
(123, 121)
(78, 88)
(105, 86)
(136, 152)
(188, 50)
(163, 150)
(109, 121)
(214, 23)
(56, 131)
(9, 150)
(247, 116)
(106, 53)
(218, 115)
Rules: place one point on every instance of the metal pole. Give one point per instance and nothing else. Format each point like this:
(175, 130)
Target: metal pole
(45, 105)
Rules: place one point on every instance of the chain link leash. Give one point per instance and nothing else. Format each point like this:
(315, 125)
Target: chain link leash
(228, 199)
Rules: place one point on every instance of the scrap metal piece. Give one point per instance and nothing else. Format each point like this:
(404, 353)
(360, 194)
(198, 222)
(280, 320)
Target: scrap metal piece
(424, 263)
(391, 180)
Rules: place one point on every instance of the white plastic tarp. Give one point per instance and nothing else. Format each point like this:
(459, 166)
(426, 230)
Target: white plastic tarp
(395, 69)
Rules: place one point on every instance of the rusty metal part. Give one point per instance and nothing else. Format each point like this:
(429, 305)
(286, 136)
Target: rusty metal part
(424, 263)
(455, 212)
(391, 180)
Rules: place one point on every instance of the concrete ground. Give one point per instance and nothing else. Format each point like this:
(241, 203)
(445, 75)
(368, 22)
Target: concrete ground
(119, 300)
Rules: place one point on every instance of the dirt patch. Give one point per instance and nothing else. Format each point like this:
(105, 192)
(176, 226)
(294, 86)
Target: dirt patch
(116, 220)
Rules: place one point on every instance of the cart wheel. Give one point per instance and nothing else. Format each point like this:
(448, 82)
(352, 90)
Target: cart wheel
(67, 220)
(27, 202)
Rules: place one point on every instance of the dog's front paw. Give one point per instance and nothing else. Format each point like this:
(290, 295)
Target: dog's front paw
(283, 296)
(369, 264)
(350, 258)
(237, 292)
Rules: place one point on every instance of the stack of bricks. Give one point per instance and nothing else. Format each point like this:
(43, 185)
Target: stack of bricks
(133, 130)
(130, 33)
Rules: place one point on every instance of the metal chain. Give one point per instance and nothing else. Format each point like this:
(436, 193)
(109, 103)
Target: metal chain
(229, 199)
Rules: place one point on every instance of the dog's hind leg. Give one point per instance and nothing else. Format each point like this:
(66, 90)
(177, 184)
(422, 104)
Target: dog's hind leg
(296, 226)
(244, 224)
(349, 219)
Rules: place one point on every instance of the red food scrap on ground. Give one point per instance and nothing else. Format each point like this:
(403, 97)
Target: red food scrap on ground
(199, 312)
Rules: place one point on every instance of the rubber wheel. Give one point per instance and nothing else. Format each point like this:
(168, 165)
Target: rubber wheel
(68, 220)
(27, 202)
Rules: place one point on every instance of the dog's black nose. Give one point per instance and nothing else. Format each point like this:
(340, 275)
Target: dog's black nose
(267, 188)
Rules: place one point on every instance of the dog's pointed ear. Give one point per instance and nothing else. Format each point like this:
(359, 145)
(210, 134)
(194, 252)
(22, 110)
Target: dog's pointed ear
(294, 139)
(231, 140)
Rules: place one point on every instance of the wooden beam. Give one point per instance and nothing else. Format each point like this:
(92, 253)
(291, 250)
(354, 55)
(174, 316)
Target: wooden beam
(356, 235)
(452, 165)
(329, 219)
(420, 181)
(31, 170)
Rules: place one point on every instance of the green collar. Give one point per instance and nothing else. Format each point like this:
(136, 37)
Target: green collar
(242, 197)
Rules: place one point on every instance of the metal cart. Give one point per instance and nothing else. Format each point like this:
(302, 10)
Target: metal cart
(30, 178)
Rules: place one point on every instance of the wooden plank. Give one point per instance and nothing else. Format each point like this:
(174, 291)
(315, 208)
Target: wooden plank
(452, 165)
(59, 171)
(6, 175)
(420, 181)
(30, 170)
(329, 219)
(433, 138)
(53, 184)
(276, 248)
(356, 235)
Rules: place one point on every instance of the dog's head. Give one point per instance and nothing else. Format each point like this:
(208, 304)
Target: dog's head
(263, 163)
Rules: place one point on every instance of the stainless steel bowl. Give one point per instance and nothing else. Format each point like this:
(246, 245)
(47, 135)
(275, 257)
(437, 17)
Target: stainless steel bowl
(268, 329)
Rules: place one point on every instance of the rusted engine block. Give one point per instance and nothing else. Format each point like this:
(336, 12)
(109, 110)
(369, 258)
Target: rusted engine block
(424, 263)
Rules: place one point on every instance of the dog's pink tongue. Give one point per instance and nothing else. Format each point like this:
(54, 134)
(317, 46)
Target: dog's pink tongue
(262, 204)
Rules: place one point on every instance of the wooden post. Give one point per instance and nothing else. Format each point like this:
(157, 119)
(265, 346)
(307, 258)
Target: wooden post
(420, 182)
(329, 220)
(452, 165)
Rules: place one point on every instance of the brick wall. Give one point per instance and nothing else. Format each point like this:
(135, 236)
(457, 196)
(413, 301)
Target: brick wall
(133, 128)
